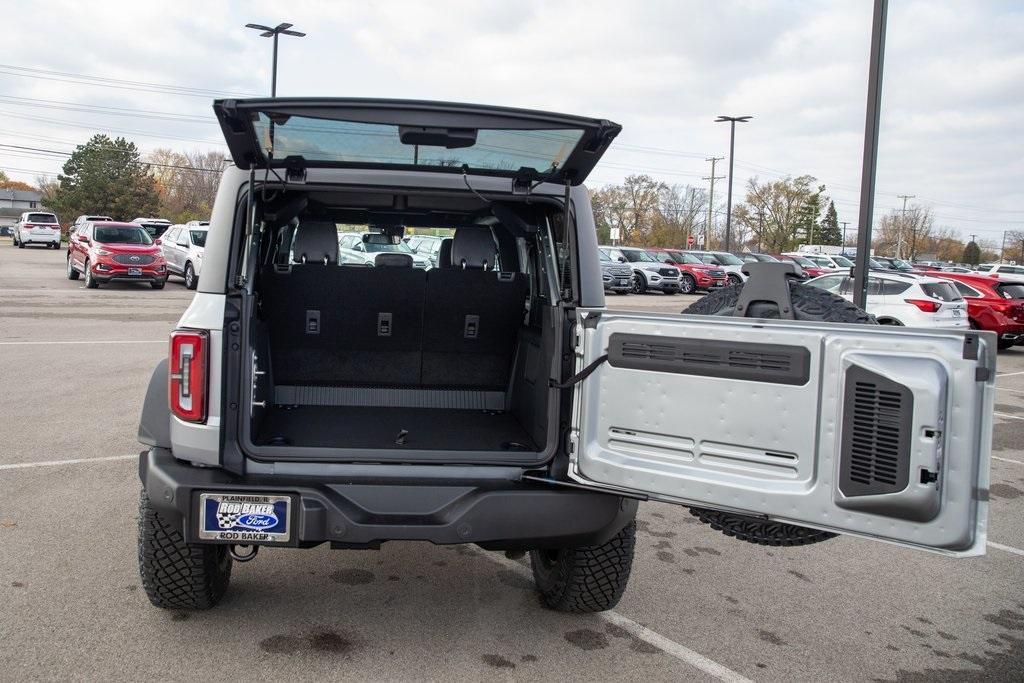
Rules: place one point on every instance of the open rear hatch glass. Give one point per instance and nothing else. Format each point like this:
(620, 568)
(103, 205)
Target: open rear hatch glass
(413, 135)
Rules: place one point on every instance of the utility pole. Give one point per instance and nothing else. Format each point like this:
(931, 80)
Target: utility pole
(711, 197)
(903, 225)
(1002, 248)
(844, 224)
(760, 226)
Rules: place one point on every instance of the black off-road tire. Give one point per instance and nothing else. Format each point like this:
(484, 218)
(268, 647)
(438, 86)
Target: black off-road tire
(176, 574)
(809, 303)
(587, 579)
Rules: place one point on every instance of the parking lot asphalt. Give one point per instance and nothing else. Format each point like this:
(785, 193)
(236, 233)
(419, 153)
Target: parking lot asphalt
(74, 364)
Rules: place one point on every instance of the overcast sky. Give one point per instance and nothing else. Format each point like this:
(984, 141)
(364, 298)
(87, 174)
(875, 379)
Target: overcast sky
(953, 99)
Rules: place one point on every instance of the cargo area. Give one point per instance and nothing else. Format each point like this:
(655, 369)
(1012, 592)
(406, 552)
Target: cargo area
(366, 350)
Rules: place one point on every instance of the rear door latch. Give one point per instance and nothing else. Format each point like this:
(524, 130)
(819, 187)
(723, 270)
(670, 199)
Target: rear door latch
(472, 327)
(312, 322)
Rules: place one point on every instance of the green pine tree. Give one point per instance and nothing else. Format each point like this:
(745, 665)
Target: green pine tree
(806, 227)
(106, 177)
(972, 253)
(830, 232)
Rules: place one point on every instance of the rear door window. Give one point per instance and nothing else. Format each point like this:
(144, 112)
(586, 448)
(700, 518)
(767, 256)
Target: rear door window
(894, 287)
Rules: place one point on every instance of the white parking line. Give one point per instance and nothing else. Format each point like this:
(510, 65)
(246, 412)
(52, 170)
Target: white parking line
(57, 463)
(1012, 391)
(671, 647)
(1006, 548)
(1007, 415)
(49, 343)
(1010, 374)
(1015, 462)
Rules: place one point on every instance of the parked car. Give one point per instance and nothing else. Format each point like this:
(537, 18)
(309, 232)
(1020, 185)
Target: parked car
(992, 304)
(754, 257)
(810, 268)
(37, 227)
(1003, 271)
(427, 246)
(903, 299)
(303, 403)
(695, 274)
(364, 248)
(732, 265)
(154, 226)
(617, 277)
(109, 251)
(86, 219)
(649, 274)
(829, 262)
(892, 263)
(183, 247)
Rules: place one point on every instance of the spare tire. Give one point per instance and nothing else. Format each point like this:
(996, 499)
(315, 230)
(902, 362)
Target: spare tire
(809, 303)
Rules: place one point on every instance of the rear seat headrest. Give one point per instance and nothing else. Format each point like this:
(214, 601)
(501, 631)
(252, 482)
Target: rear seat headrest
(473, 248)
(392, 260)
(315, 242)
(444, 253)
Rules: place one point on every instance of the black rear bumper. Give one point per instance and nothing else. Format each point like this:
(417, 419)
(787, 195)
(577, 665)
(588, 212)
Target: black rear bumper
(496, 512)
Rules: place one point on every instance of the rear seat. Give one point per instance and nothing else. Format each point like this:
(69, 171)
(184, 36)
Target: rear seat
(348, 325)
(473, 314)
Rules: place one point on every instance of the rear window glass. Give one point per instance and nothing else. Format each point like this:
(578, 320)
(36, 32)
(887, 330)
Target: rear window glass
(198, 237)
(375, 143)
(109, 235)
(1013, 270)
(727, 259)
(1010, 291)
(943, 291)
(894, 287)
(41, 218)
(966, 290)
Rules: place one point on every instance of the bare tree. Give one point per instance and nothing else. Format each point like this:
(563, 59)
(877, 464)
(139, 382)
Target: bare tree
(187, 182)
(905, 233)
(773, 210)
(1014, 246)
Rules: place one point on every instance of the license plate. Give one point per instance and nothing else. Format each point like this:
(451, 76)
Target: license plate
(135, 271)
(957, 313)
(243, 518)
(624, 282)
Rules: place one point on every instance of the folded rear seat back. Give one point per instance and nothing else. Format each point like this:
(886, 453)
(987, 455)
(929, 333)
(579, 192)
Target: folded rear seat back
(472, 316)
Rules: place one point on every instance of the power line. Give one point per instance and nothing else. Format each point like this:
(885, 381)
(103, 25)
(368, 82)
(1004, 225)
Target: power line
(122, 84)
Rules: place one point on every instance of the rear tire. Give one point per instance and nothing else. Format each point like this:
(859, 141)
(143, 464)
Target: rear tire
(587, 579)
(21, 245)
(158, 285)
(190, 277)
(176, 574)
(1003, 345)
(72, 273)
(809, 303)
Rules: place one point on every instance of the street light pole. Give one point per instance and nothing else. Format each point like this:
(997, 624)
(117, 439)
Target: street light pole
(274, 33)
(732, 148)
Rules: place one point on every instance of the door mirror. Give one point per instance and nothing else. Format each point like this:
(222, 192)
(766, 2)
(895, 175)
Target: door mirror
(83, 238)
(622, 259)
(157, 241)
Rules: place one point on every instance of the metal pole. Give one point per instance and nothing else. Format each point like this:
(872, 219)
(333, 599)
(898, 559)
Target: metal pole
(870, 160)
(845, 223)
(728, 202)
(711, 199)
(273, 73)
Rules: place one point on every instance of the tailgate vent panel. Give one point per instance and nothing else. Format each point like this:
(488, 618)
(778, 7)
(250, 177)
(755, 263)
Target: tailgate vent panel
(877, 422)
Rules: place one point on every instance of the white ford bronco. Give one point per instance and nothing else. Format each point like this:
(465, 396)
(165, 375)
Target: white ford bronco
(492, 399)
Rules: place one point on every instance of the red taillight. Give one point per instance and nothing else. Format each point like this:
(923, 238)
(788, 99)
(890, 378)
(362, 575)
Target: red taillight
(187, 374)
(924, 304)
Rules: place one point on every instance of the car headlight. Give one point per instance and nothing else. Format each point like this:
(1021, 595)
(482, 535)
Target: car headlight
(102, 252)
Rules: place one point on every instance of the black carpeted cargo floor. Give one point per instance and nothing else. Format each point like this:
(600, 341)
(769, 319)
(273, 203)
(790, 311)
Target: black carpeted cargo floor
(425, 429)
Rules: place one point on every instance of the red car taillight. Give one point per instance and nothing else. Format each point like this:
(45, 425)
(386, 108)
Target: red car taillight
(187, 376)
(924, 304)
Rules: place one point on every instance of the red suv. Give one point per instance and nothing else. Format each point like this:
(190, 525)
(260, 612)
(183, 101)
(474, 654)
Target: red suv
(992, 304)
(111, 251)
(695, 273)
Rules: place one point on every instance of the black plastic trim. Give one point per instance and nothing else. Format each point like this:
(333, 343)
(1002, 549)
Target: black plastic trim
(155, 421)
(772, 363)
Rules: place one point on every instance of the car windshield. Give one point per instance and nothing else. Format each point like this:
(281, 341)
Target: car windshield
(842, 261)
(765, 258)
(106, 235)
(727, 259)
(603, 256)
(638, 256)
(41, 218)
(375, 143)
(803, 262)
(376, 244)
(689, 259)
(198, 237)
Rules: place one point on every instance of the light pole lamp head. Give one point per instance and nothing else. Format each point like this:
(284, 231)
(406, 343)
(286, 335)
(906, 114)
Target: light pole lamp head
(734, 119)
(269, 32)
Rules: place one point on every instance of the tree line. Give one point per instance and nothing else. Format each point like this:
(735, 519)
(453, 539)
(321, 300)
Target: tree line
(109, 176)
(774, 216)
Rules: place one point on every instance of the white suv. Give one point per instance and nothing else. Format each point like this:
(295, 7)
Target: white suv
(1004, 271)
(364, 247)
(904, 300)
(36, 227)
(183, 247)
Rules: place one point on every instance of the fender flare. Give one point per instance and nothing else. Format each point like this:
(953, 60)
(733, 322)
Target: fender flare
(155, 421)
